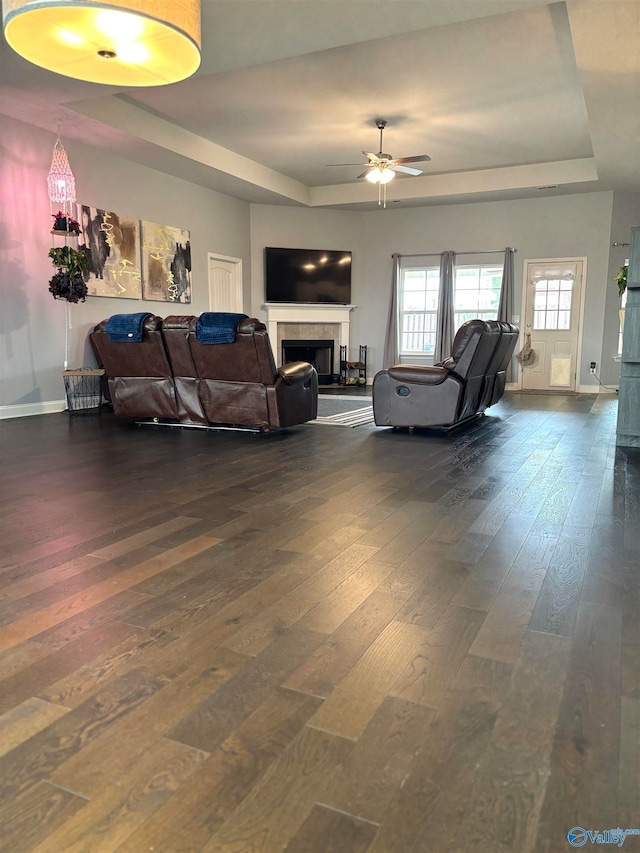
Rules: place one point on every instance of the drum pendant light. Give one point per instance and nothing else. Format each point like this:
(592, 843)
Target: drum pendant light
(119, 42)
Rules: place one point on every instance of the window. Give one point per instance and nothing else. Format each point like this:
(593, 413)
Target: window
(552, 307)
(418, 309)
(476, 294)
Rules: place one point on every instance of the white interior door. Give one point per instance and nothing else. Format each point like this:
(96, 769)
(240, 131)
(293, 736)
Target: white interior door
(225, 284)
(553, 292)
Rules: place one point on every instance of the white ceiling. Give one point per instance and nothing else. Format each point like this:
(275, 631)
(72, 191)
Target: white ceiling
(505, 96)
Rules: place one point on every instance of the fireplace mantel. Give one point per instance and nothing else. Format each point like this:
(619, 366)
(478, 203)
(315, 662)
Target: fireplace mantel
(300, 312)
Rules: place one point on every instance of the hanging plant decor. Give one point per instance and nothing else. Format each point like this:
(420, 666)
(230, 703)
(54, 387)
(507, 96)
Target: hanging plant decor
(621, 279)
(68, 282)
(62, 222)
(64, 286)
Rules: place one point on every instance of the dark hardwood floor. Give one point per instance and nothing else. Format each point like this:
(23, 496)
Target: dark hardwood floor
(323, 640)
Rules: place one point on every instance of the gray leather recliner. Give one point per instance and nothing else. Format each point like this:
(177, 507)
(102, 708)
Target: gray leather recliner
(459, 388)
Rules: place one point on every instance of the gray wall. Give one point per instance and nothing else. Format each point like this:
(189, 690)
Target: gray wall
(32, 323)
(564, 226)
(300, 228)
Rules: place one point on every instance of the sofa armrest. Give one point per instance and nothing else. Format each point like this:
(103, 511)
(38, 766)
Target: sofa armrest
(249, 325)
(296, 372)
(416, 374)
(447, 362)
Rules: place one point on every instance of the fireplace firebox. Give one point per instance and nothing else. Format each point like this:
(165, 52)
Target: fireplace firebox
(319, 353)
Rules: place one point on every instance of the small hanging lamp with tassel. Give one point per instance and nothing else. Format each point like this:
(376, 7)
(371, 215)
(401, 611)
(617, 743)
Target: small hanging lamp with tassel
(60, 181)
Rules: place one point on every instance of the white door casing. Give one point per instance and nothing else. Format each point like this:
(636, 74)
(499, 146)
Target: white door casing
(225, 284)
(552, 307)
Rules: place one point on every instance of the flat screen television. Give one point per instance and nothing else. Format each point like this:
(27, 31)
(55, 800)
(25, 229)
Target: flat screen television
(307, 275)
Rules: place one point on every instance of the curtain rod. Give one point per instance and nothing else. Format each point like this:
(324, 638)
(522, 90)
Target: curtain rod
(437, 254)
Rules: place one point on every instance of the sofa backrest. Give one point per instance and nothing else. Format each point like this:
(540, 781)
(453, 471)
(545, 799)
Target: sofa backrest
(510, 335)
(471, 354)
(247, 359)
(473, 348)
(502, 345)
(175, 332)
(147, 357)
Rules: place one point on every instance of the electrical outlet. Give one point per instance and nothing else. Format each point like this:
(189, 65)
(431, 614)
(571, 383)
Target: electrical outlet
(592, 367)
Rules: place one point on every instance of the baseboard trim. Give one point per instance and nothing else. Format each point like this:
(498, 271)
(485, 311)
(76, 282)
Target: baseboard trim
(581, 389)
(24, 410)
(589, 389)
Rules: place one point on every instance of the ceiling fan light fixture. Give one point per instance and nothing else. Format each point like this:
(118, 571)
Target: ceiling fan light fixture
(382, 167)
(380, 175)
(117, 42)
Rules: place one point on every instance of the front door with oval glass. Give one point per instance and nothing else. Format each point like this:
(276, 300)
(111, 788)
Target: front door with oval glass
(552, 318)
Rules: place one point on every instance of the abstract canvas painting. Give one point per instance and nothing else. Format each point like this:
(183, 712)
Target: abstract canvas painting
(166, 263)
(111, 243)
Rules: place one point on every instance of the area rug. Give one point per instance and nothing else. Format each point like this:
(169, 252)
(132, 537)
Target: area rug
(344, 411)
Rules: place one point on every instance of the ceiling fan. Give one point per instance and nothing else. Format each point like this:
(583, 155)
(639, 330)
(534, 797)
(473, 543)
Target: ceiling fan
(382, 167)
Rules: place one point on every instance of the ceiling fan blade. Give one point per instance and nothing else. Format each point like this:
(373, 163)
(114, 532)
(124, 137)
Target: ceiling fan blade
(372, 157)
(363, 175)
(420, 158)
(407, 170)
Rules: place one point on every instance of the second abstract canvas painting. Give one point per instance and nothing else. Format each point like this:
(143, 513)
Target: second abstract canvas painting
(166, 263)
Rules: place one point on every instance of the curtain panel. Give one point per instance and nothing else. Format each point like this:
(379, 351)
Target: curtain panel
(505, 306)
(390, 355)
(445, 322)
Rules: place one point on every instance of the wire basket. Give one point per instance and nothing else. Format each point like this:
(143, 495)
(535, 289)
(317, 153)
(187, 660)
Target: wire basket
(83, 390)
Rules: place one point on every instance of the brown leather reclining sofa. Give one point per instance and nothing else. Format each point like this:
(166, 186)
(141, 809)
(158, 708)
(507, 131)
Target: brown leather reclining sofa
(170, 376)
(451, 392)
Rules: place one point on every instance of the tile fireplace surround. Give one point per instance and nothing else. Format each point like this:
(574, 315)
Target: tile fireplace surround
(299, 321)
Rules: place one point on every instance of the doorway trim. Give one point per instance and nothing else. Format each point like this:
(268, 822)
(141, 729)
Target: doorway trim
(579, 388)
(236, 275)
